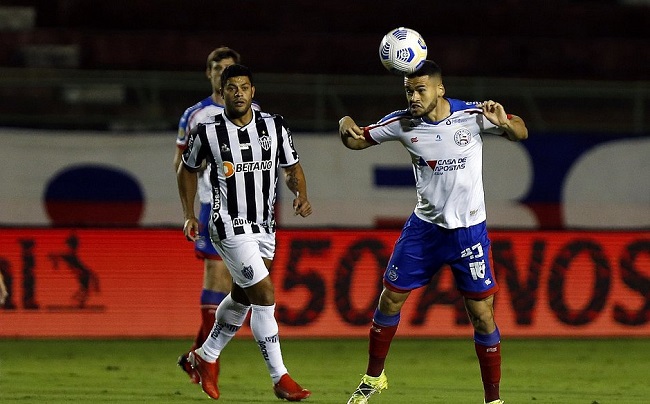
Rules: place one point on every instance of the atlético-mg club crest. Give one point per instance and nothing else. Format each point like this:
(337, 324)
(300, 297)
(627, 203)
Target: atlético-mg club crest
(265, 142)
(247, 271)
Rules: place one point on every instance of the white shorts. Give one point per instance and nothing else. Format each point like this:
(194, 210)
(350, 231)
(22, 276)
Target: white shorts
(243, 255)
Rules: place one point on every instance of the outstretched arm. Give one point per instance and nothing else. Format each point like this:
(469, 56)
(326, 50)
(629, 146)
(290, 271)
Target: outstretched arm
(512, 125)
(296, 182)
(352, 135)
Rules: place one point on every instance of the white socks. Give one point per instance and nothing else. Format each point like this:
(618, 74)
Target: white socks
(265, 332)
(229, 318)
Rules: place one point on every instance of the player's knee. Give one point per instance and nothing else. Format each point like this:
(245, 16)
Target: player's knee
(261, 293)
(482, 321)
(390, 302)
(481, 314)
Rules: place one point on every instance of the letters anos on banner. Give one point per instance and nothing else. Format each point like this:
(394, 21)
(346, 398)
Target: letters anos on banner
(146, 282)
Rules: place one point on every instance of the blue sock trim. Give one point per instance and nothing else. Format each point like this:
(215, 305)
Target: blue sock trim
(489, 339)
(212, 297)
(387, 321)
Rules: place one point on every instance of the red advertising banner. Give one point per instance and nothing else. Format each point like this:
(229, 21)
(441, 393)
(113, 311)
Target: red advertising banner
(146, 282)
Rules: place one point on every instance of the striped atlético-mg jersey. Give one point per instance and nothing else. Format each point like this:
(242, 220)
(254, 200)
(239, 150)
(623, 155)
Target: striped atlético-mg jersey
(244, 165)
(201, 112)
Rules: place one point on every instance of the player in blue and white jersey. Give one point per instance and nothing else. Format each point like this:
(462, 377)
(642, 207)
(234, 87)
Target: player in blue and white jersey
(246, 150)
(444, 138)
(216, 279)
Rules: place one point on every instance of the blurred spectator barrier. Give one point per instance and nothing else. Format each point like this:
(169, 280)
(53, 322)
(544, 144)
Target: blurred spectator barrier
(153, 100)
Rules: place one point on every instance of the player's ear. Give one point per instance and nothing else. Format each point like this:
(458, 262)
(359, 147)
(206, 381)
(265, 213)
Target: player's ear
(252, 92)
(441, 89)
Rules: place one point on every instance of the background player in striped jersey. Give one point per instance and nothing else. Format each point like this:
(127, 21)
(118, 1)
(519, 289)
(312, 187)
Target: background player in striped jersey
(216, 279)
(448, 226)
(246, 151)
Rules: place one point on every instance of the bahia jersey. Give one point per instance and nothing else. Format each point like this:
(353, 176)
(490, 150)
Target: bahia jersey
(201, 112)
(447, 158)
(244, 165)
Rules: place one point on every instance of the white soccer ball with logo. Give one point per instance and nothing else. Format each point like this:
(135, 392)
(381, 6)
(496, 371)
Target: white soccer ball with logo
(402, 51)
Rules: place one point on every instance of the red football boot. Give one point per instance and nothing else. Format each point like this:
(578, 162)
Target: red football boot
(184, 364)
(208, 373)
(289, 390)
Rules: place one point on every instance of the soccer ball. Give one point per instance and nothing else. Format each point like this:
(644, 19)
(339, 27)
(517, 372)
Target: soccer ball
(402, 51)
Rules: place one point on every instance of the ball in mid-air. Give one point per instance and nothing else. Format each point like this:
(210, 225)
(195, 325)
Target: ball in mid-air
(402, 51)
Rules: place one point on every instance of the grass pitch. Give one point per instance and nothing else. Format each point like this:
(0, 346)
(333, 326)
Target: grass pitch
(536, 371)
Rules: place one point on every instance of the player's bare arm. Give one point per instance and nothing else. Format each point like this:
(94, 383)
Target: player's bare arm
(296, 182)
(352, 135)
(3, 291)
(512, 125)
(177, 157)
(187, 191)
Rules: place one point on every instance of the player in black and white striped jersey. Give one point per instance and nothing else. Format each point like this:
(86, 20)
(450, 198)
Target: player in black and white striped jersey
(249, 158)
(246, 151)
(216, 278)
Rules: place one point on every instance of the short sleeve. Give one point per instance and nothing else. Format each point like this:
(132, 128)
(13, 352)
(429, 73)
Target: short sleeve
(194, 153)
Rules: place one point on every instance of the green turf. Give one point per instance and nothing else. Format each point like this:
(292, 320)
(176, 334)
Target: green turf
(535, 371)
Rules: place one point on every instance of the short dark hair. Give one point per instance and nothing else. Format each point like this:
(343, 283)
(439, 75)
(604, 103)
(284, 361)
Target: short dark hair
(235, 70)
(223, 52)
(428, 68)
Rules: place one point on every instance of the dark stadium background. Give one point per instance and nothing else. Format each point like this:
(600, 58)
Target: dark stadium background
(337, 40)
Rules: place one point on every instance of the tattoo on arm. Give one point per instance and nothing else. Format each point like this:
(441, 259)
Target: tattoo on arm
(292, 180)
(295, 179)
